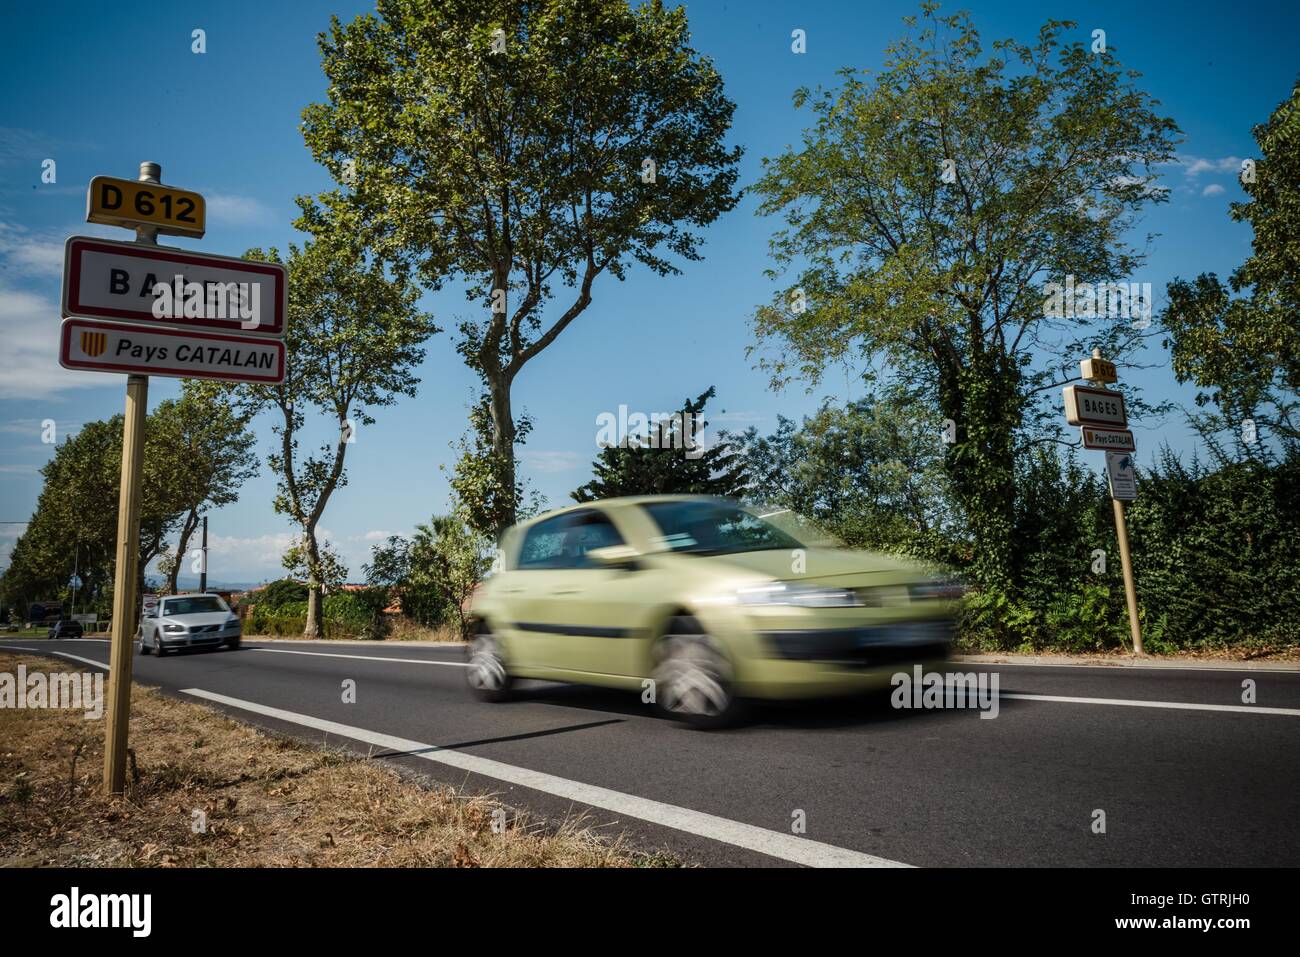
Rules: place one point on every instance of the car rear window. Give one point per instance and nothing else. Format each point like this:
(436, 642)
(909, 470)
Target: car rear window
(715, 528)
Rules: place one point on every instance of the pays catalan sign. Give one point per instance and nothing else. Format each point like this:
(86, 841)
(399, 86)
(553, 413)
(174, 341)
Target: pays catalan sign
(103, 279)
(122, 347)
(1111, 440)
(128, 202)
(1085, 406)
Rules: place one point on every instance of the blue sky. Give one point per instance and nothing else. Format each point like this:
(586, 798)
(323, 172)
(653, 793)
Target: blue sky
(98, 89)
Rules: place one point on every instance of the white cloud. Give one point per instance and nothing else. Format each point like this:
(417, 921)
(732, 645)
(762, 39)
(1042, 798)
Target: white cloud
(1214, 189)
(257, 558)
(29, 255)
(229, 209)
(1194, 166)
(543, 461)
(29, 328)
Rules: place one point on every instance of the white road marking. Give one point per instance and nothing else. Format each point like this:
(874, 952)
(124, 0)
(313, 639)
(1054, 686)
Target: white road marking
(1119, 667)
(786, 847)
(1177, 705)
(326, 654)
(61, 654)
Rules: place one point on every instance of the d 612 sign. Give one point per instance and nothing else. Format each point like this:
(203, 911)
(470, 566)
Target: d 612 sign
(129, 202)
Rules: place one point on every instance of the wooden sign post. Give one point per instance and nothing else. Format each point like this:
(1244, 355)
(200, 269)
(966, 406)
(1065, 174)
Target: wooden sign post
(1102, 417)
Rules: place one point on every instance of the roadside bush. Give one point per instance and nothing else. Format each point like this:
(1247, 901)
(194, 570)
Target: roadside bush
(1216, 553)
(344, 614)
(279, 594)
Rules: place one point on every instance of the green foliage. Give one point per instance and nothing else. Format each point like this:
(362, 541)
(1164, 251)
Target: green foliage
(1217, 552)
(434, 572)
(939, 282)
(1244, 349)
(871, 473)
(344, 614)
(488, 493)
(281, 593)
(196, 455)
(209, 456)
(517, 170)
(661, 461)
(354, 341)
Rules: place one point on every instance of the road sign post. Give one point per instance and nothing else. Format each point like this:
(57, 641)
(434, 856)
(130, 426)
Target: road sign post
(1102, 417)
(145, 310)
(126, 571)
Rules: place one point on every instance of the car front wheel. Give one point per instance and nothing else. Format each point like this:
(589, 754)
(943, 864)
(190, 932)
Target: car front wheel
(693, 679)
(487, 675)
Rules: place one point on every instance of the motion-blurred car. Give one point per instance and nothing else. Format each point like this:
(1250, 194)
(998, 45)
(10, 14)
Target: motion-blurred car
(65, 628)
(707, 599)
(188, 621)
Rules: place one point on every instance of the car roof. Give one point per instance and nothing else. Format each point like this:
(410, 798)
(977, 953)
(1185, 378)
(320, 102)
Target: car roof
(619, 502)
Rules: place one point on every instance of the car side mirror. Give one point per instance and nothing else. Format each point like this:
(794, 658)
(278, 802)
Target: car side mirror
(613, 556)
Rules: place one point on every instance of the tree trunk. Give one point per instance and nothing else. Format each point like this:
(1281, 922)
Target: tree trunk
(187, 530)
(312, 627)
(503, 449)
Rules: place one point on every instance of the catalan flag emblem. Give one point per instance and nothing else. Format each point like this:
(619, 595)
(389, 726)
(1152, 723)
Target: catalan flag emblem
(93, 344)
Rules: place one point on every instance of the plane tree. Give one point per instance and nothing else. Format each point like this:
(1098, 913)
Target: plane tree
(522, 150)
(926, 209)
(354, 340)
(209, 456)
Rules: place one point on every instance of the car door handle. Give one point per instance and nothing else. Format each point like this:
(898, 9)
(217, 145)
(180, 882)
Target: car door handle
(565, 591)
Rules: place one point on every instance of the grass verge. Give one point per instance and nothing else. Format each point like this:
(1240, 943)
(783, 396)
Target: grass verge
(206, 790)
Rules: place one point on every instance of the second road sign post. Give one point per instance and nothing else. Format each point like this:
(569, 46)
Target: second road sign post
(146, 310)
(1102, 419)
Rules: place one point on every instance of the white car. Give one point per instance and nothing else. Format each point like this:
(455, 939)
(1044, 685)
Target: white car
(189, 621)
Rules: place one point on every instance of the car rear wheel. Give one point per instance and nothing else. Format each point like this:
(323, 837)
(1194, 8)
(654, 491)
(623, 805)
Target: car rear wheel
(693, 679)
(487, 675)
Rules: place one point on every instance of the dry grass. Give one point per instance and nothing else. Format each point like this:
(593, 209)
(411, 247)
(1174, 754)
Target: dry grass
(268, 801)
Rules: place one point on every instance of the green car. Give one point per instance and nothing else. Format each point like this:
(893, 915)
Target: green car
(700, 604)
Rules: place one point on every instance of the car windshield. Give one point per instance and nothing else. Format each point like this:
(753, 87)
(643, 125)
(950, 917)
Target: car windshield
(193, 606)
(715, 528)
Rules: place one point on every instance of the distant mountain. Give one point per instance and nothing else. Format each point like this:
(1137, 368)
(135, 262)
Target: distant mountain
(191, 583)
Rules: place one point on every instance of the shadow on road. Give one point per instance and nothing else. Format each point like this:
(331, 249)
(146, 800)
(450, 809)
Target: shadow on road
(852, 711)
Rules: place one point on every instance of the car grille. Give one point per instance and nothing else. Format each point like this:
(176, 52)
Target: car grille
(865, 646)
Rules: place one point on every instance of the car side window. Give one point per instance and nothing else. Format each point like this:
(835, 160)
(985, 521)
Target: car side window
(588, 531)
(543, 544)
(564, 541)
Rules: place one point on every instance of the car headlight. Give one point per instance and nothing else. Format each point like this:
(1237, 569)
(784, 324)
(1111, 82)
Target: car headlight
(173, 629)
(804, 596)
(940, 589)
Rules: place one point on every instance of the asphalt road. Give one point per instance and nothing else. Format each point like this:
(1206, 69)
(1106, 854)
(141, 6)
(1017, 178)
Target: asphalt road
(1211, 786)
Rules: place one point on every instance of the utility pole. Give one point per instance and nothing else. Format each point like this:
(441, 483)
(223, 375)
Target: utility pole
(203, 567)
(126, 602)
